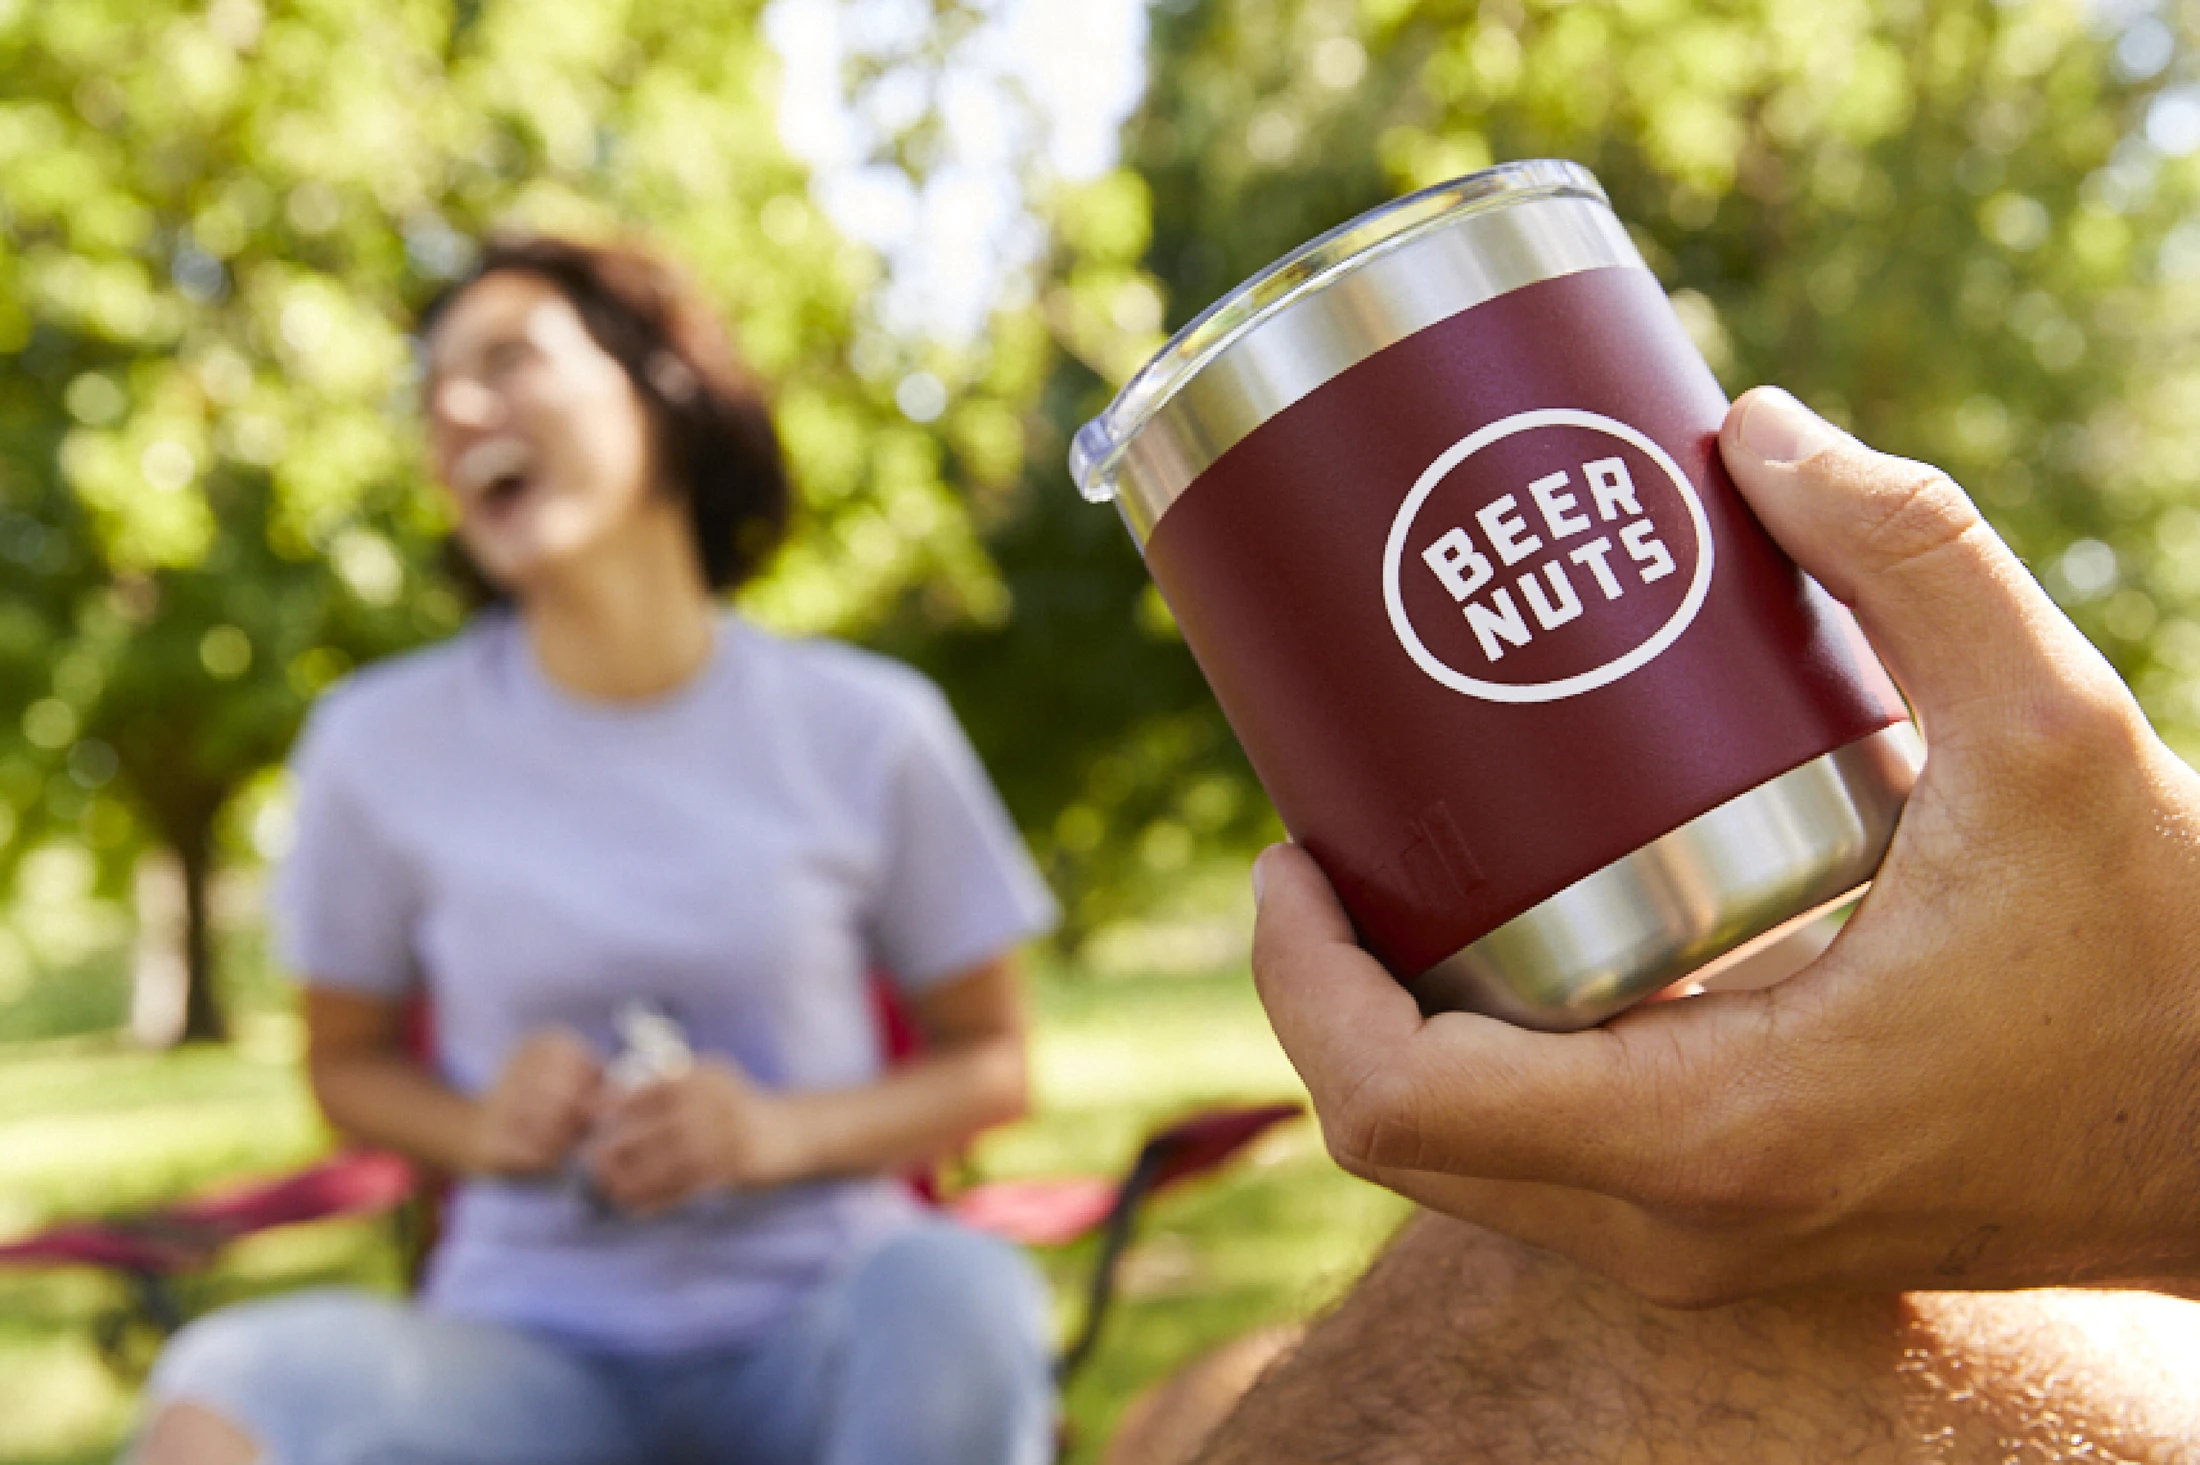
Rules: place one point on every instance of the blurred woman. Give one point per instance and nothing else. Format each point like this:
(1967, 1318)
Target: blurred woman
(610, 816)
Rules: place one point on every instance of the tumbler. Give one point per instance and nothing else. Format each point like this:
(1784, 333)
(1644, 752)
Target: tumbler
(1437, 504)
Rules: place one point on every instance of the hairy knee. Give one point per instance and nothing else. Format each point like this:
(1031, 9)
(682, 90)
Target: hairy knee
(1465, 1345)
(1551, 1357)
(2057, 1369)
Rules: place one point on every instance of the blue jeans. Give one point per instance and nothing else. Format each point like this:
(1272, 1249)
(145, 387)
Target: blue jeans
(929, 1351)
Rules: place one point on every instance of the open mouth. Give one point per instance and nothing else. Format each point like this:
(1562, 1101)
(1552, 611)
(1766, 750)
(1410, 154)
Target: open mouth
(502, 491)
(493, 475)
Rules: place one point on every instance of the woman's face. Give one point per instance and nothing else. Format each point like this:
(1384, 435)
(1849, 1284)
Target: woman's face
(535, 430)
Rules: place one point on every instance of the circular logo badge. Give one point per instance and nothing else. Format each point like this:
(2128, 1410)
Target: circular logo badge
(1546, 555)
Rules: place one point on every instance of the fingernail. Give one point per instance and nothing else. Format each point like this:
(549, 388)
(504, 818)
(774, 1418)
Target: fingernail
(1260, 876)
(1779, 429)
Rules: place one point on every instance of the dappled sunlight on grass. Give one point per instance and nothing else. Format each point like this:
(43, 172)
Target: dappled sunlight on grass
(92, 1129)
(58, 1398)
(88, 1128)
(1276, 1236)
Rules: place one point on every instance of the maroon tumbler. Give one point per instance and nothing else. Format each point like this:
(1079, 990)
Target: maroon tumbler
(1438, 505)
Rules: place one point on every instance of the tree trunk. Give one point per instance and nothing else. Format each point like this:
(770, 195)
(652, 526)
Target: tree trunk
(173, 996)
(202, 1015)
(182, 800)
(160, 979)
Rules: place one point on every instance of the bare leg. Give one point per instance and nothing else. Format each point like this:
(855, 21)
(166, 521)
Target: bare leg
(184, 1433)
(1461, 1346)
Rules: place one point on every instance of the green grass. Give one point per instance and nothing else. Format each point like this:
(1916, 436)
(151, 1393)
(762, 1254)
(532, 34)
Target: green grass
(86, 1127)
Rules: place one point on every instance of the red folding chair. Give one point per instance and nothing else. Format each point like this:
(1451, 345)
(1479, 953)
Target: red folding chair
(153, 1251)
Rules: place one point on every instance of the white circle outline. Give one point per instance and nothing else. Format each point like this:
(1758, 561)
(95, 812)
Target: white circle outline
(1611, 671)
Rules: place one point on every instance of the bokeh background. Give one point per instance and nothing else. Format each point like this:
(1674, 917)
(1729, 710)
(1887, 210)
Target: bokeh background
(945, 232)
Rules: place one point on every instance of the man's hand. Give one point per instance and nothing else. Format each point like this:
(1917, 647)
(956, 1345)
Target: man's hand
(1992, 1077)
(538, 1109)
(708, 1129)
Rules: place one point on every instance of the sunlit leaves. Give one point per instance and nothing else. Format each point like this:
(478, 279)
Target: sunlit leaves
(1940, 222)
(1107, 221)
(216, 221)
(140, 485)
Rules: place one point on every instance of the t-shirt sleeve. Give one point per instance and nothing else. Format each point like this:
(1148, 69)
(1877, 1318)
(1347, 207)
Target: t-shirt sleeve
(346, 900)
(958, 887)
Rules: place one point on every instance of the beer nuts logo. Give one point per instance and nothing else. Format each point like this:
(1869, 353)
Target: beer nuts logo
(1569, 572)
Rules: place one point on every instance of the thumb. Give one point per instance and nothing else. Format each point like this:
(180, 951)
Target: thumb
(1957, 617)
(1337, 1012)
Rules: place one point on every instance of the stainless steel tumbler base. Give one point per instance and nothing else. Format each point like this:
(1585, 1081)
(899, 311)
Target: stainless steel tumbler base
(1769, 858)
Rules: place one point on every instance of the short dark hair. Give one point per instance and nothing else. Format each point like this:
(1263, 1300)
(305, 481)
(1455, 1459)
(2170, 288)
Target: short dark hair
(713, 427)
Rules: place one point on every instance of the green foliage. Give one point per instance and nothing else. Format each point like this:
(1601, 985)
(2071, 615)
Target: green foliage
(1937, 222)
(215, 221)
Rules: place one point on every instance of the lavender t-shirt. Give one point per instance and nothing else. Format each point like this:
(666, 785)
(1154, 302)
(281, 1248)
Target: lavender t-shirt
(742, 852)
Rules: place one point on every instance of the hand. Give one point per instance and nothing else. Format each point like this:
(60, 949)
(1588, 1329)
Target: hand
(707, 1129)
(539, 1107)
(1990, 1079)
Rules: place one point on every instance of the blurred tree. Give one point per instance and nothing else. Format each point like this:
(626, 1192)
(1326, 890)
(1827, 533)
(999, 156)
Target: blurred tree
(1939, 222)
(214, 221)
(1953, 224)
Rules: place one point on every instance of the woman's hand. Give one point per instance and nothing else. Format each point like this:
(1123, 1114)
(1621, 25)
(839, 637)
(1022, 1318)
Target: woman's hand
(713, 1128)
(539, 1108)
(707, 1129)
(1992, 1077)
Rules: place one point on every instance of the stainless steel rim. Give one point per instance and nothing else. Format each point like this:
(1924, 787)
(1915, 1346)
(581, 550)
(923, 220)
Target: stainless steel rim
(1331, 305)
(1774, 855)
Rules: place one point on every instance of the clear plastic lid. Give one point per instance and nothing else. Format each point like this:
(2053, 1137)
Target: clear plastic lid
(1097, 450)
